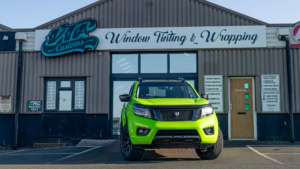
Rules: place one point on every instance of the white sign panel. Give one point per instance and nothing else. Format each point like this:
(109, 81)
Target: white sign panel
(214, 89)
(270, 93)
(5, 104)
(174, 37)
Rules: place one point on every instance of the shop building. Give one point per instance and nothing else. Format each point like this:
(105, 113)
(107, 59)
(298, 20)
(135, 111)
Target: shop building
(75, 67)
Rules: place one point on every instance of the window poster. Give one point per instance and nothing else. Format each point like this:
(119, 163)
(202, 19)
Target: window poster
(213, 85)
(270, 93)
(79, 95)
(51, 95)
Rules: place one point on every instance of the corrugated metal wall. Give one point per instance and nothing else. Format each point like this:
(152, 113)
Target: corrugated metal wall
(92, 65)
(154, 13)
(250, 63)
(8, 74)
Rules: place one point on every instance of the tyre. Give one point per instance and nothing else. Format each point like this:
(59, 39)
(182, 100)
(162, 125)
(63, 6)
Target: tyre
(129, 151)
(213, 152)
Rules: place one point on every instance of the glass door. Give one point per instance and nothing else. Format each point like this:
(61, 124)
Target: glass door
(128, 67)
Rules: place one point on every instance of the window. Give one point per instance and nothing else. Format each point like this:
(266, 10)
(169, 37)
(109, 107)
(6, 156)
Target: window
(51, 95)
(154, 63)
(125, 63)
(65, 95)
(183, 63)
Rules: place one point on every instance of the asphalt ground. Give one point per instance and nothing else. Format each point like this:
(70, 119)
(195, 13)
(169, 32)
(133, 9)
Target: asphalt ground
(235, 156)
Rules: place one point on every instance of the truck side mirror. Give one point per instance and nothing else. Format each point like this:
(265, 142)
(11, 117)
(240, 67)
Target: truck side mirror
(204, 96)
(124, 98)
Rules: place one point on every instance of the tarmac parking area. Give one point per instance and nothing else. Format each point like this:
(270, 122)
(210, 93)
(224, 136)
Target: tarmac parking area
(42, 155)
(285, 154)
(108, 156)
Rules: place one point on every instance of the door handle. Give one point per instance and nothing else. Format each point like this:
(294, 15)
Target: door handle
(242, 112)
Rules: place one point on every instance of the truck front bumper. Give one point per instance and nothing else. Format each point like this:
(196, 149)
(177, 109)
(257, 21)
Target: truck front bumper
(155, 126)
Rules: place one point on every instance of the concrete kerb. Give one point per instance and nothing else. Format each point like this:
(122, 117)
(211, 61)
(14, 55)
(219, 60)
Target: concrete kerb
(94, 143)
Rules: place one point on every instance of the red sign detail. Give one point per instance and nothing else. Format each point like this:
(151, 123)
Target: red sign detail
(295, 31)
(295, 36)
(295, 45)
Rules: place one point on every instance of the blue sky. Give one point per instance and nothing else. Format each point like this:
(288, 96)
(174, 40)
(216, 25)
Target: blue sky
(32, 13)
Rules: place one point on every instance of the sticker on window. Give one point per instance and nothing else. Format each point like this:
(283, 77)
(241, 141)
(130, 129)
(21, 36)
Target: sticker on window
(247, 96)
(247, 107)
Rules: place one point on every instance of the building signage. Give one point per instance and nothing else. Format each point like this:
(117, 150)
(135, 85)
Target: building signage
(214, 89)
(176, 37)
(270, 93)
(5, 104)
(70, 38)
(295, 36)
(34, 106)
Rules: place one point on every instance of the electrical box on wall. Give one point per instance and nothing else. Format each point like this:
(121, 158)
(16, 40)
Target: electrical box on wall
(283, 32)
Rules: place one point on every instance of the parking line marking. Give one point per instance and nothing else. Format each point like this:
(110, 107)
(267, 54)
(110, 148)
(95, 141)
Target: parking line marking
(73, 155)
(282, 153)
(263, 155)
(274, 145)
(11, 152)
(41, 154)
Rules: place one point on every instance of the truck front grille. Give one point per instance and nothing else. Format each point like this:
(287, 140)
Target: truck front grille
(176, 115)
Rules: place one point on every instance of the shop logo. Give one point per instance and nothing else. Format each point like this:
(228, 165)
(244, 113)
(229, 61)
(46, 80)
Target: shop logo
(295, 34)
(70, 38)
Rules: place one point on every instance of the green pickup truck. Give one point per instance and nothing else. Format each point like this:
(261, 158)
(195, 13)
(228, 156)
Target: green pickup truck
(168, 114)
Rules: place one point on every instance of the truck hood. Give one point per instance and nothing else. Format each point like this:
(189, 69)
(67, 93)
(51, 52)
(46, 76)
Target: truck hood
(171, 101)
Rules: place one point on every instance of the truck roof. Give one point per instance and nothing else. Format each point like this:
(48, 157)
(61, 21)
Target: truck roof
(162, 81)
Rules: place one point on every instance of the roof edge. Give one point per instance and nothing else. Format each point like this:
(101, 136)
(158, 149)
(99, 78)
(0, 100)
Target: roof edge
(24, 30)
(6, 27)
(281, 25)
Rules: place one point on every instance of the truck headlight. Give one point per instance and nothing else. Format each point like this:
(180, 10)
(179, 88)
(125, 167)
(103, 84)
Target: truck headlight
(143, 112)
(205, 111)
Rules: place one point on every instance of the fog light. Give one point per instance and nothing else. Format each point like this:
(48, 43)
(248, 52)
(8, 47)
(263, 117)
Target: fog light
(142, 131)
(209, 130)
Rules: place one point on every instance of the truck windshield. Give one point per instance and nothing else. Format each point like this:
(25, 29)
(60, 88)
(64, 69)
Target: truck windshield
(149, 90)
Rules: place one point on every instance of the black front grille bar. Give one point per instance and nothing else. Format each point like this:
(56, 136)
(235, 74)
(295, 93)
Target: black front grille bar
(177, 137)
(177, 133)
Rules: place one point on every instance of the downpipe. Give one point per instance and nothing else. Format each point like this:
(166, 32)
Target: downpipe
(18, 95)
(290, 90)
